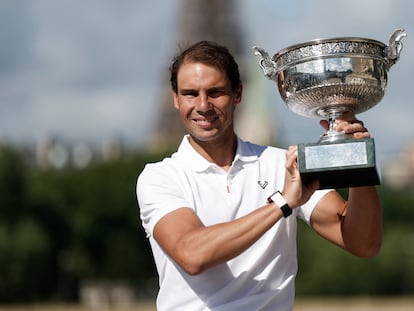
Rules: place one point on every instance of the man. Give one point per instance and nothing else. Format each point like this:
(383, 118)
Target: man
(222, 237)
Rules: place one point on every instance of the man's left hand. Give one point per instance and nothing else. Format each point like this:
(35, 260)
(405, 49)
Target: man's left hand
(349, 125)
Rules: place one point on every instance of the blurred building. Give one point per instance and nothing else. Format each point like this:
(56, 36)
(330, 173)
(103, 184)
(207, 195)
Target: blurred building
(214, 20)
(398, 171)
(54, 153)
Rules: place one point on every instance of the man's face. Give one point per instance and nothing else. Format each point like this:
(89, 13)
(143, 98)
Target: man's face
(205, 101)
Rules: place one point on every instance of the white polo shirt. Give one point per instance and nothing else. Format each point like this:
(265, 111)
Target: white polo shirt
(262, 277)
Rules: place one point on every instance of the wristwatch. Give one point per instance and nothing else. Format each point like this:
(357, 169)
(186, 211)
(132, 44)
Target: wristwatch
(280, 201)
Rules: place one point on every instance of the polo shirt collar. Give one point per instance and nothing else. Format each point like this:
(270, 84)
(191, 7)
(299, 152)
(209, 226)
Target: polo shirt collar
(188, 155)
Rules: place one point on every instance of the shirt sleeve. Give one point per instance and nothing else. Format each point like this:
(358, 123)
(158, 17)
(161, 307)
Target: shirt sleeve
(305, 211)
(158, 192)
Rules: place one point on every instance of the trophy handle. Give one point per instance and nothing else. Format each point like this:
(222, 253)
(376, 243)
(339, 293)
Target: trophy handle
(266, 63)
(393, 50)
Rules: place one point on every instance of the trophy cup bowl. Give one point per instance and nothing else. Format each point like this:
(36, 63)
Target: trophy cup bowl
(327, 78)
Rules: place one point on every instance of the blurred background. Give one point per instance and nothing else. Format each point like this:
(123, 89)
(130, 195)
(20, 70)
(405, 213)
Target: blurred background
(85, 103)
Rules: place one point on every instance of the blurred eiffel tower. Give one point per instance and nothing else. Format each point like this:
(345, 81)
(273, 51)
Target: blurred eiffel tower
(215, 20)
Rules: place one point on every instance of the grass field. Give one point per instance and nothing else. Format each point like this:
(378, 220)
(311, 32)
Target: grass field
(312, 304)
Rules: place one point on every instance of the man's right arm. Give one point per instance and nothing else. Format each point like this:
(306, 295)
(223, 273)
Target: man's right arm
(195, 247)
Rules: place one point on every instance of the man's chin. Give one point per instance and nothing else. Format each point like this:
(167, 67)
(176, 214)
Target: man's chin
(205, 137)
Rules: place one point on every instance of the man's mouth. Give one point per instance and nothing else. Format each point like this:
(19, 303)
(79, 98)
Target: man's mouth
(205, 121)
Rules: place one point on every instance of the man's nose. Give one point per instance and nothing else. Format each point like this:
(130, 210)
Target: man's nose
(203, 104)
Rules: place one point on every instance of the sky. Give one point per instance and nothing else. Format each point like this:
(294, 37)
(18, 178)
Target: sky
(92, 70)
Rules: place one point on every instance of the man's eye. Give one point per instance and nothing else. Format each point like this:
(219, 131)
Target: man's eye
(189, 94)
(215, 94)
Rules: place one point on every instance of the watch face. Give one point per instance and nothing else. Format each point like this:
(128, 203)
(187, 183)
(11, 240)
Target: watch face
(279, 199)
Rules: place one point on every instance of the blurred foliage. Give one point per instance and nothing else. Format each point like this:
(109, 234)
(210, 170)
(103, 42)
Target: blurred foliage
(325, 269)
(60, 227)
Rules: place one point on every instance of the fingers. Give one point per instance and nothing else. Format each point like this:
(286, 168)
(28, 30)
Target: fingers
(324, 124)
(292, 170)
(294, 191)
(353, 127)
(291, 158)
(292, 188)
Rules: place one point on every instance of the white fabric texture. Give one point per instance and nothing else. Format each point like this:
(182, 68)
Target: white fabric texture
(262, 277)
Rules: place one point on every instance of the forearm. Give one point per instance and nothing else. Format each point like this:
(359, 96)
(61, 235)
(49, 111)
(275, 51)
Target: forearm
(362, 223)
(205, 247)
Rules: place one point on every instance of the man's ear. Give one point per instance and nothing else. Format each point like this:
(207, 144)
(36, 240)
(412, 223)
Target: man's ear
(238, 94)
(175, 98)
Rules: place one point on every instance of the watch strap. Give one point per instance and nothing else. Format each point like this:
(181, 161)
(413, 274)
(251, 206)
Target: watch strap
(280, 201)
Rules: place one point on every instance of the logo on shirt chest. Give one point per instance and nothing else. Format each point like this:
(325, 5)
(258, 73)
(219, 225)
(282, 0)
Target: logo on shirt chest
(262, 184)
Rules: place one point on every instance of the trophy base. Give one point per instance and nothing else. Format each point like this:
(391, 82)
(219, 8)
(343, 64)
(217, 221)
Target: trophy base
(339, 164)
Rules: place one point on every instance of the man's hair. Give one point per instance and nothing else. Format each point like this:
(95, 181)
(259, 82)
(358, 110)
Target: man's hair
(208, 53)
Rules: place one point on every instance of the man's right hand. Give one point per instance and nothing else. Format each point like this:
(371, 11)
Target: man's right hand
(294, 191)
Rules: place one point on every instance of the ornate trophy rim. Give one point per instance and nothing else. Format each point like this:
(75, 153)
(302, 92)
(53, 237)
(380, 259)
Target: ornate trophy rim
(344, 73)
(329, 47)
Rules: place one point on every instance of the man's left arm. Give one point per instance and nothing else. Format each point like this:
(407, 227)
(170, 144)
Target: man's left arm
(355, 224)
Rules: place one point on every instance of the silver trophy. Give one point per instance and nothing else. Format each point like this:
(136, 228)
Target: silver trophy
(327, 78)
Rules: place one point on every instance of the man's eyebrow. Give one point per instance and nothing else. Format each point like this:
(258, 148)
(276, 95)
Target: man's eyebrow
(187, 91)
(217, 88)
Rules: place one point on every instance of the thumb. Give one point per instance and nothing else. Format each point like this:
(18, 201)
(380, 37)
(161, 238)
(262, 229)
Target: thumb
(324, 124)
